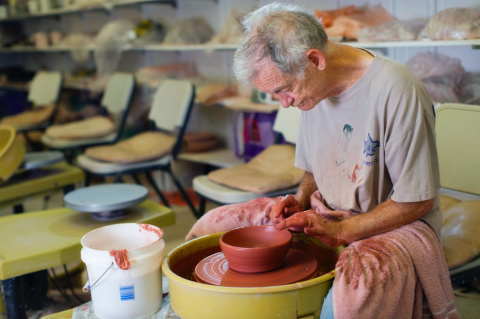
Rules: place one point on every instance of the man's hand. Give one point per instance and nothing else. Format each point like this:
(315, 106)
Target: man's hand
(387, 216)
(284, 207)
(329, 231)
(288, 205)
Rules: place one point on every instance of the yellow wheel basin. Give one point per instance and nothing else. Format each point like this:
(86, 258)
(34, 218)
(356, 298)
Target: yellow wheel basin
(192, 300)
(11, 152)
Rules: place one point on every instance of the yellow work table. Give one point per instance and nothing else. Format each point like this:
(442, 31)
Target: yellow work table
(31, 242)
(67, 314)
(25, 183)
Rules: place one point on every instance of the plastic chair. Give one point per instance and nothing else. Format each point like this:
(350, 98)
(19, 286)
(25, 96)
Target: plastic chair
(170, 111)
(286, 124)
(44, 90)
(457, 130)
(116, 100)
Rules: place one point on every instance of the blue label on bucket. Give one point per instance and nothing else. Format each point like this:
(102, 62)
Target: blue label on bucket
(127, 293)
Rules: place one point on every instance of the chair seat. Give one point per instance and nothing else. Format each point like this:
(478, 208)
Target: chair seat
(219, 158)
(94, 127)
(31, 127)
(270, 171)
(38, 117)
(226, 195)
(106, 168)
(56, 143)
(143, 147)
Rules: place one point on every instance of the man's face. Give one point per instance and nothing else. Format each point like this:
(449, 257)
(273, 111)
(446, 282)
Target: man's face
(304, 94)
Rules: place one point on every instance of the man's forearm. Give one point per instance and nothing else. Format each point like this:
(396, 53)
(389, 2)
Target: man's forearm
(305, 190)
(385, 217)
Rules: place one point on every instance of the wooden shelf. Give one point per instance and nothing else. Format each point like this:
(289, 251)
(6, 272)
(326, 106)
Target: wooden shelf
(475, 44)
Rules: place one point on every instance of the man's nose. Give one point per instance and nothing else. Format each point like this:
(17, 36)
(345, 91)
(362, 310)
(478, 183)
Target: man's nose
(285, 99)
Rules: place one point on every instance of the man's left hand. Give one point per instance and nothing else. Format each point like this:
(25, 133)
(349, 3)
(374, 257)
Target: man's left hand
(329, 231)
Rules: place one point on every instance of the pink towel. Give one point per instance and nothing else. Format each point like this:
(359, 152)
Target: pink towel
(253, 213)
(398, 274)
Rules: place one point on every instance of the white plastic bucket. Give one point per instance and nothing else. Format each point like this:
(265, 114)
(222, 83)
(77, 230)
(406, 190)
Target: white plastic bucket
(124, 294)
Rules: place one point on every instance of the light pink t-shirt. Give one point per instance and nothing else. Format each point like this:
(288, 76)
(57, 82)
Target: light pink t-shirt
(373, 142)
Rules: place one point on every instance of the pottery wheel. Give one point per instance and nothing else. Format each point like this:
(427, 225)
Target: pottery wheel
(298, 266)
(105, 198)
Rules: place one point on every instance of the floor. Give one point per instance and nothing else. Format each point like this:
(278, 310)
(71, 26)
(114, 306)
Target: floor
(468, 306)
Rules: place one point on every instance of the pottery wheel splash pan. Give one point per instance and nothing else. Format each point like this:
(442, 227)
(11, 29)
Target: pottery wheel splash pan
(107, 202)
(194, 300)
(297, 266)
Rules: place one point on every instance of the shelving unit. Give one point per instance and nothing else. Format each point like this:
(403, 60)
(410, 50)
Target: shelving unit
(87, 7)
(475, 44)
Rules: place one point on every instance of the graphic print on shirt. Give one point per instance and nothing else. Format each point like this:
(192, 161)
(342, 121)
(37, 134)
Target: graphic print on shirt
(345, 139)
(370, 149)
(370, 146)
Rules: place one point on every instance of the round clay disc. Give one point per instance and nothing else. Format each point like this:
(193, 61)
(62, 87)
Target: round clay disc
(105, 198)
(298, 266)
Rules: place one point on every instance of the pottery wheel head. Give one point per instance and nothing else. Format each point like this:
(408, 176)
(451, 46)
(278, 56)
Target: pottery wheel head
(298, 266)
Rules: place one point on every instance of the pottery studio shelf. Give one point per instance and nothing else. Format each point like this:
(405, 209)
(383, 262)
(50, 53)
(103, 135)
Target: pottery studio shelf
(475, 44)
(106, 6)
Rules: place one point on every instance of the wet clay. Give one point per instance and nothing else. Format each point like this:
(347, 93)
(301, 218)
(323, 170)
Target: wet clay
(326, 258)
(185, 267)
(151, 228)
(255, 249)
(297, 266)
(121, 258)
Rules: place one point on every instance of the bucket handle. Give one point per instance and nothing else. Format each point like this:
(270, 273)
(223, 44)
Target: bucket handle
(87, 286)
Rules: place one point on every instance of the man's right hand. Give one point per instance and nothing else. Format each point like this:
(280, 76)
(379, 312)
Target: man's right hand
(284, 207)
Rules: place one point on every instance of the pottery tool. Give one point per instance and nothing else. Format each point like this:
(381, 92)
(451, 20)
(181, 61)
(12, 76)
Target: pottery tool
(106, 202)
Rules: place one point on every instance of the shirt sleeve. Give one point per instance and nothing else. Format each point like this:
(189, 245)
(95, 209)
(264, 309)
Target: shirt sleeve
(411, 151)
(302, 150)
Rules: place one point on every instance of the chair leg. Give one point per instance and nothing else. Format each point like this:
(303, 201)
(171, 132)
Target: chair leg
(87, 178)
(184, 195)
(157, 190)
(118, 178)
(136, 179)
(30, 142)
(201, 209)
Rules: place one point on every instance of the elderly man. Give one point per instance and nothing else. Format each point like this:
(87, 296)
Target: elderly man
(367, 145)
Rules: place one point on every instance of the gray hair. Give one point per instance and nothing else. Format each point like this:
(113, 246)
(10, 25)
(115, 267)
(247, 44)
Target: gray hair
(280, 34)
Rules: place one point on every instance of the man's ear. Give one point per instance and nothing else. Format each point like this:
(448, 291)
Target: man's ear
(316, 58)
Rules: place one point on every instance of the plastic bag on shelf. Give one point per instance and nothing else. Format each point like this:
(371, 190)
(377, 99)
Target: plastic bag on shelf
(109, 43)
(427, 64)
(453, 24)
(465, 86)
(440, 93)
(231, 31)
(326, 17)
(345, 26)
(392, 31)
(373, 16)
(348, 21)
(152, 76)
(79, 45)
(189, 31)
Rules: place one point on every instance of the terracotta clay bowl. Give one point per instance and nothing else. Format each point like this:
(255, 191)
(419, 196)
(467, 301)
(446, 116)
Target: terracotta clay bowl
(255, 249)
